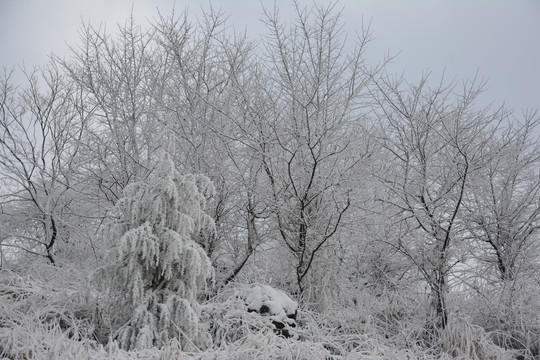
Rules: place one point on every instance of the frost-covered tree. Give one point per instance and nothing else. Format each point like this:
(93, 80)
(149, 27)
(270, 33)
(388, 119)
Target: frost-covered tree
(156, 267)
(503, 210)
(39, 191)
(433, 144)
(119, 76)
(303, 114)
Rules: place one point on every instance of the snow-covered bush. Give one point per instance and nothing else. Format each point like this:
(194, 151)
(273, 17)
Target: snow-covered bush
(463, 340)
(510, 315)
(267, 345)
(44, 315)
(155, 268)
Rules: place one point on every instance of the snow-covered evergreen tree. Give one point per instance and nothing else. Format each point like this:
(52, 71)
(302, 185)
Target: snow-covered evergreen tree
(155, 267)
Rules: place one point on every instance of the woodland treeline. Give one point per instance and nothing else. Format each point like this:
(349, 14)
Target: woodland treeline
(401, 210)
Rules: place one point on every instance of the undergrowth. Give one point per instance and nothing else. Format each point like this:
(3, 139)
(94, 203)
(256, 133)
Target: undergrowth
(43, 320)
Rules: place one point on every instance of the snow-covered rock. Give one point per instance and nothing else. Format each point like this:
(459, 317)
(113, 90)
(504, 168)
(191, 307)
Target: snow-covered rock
(244, 309)
(275, 304)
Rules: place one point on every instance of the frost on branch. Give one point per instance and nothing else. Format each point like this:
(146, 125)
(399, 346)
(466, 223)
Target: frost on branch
(155, 268)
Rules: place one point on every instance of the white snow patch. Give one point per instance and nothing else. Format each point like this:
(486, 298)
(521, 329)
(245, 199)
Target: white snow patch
(278, 303)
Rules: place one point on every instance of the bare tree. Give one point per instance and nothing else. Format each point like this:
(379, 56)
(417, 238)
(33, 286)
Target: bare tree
(117, 76)
(434, 141)
(501, 214)
(305, 129)
(39, 134)
(503, 209)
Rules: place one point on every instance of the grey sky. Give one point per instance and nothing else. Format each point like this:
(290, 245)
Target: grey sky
(499, 38)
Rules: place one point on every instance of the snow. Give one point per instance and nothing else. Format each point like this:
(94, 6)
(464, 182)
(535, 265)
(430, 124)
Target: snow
(278, 303)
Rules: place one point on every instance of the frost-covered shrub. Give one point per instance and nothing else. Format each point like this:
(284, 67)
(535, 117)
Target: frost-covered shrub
(155, 269)
(267, 345)
(42, 317)
(511, 314)
(463, 340)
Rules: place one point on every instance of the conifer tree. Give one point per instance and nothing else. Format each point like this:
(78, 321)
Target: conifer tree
(156, 267)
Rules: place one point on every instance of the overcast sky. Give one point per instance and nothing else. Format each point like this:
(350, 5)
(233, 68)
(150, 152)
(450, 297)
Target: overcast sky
(499, 38)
